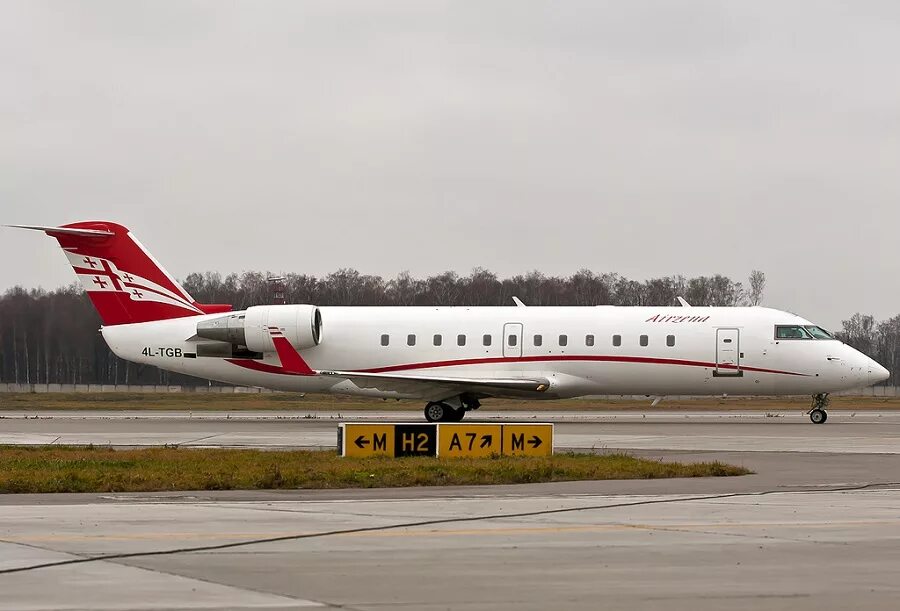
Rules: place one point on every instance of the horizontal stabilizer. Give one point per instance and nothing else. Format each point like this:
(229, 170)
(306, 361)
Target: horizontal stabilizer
(85, 233)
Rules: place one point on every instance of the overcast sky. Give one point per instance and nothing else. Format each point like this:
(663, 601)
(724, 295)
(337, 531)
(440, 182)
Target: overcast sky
(645, 138)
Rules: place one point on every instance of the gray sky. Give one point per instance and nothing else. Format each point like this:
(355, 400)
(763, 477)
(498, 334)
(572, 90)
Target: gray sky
(645, 138)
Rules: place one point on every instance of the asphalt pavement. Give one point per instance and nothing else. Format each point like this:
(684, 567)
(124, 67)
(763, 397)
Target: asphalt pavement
(816, 527)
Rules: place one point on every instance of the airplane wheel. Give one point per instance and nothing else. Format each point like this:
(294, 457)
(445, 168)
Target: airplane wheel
(818, 416)
(436, 412)
(456, 415)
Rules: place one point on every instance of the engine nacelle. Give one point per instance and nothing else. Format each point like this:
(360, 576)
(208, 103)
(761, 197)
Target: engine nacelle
(300, 324)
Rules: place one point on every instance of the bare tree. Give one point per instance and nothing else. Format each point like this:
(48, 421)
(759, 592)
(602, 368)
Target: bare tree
(859, 331)
(757, 287)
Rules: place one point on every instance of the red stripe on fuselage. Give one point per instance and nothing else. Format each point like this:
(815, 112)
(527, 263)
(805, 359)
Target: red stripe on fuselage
(256, 365)
(263, 367)
(566, 357)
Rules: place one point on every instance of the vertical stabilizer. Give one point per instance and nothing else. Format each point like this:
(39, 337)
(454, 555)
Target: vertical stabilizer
(123, 280)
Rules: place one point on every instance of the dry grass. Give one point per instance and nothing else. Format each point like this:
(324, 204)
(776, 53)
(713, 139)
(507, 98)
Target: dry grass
(168, 401)
(312, 403)
(69, 469)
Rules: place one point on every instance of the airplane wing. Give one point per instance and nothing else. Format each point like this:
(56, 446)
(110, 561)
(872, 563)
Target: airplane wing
(441, 386)
(430, 386)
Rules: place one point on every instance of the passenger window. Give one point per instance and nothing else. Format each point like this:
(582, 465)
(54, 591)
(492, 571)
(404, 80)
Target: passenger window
(512, 340)
(670, 340)
(460, 340)
(411, 339)
(588, 340)
(538, 340)
(791, 332)
(385, 339)
(644, 340)
(617, 340)
(563, 340)
(486, 340)
(438, 340)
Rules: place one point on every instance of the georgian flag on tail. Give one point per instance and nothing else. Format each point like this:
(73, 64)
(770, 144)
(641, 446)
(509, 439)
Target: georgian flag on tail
(97, 274)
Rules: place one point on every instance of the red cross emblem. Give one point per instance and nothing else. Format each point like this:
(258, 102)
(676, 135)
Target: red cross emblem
(137, 293)
(90, 262)
(99, 282)
(128, 277)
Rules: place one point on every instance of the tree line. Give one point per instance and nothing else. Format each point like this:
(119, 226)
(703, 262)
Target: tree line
(51, 336)
(878, 339)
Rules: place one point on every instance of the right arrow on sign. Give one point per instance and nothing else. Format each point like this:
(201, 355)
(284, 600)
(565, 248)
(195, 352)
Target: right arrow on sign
(487, 440)
(535, 441)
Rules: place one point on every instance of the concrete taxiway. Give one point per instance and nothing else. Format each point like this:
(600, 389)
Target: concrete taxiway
(845, 432)
(817, 526)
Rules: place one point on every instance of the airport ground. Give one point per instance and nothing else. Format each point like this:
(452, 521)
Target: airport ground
(296, 402)
(817, 526)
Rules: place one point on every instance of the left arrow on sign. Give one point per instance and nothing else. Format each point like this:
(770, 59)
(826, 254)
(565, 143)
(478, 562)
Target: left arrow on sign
(361, 441)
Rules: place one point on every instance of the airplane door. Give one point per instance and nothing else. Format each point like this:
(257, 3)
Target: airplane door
(512, 339)
(728, 352)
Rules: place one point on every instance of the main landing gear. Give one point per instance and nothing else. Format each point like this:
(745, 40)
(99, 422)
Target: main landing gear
(450, 410)
(817, 413)
(438, 411)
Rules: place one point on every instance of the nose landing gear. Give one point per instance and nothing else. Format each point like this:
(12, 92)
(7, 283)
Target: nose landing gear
(817, 413)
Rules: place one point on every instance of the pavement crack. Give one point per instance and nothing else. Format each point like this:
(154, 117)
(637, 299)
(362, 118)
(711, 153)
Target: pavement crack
(421, 523)
(160, 571)
(697, 531)
(311, 512)
(84, 557)
(182, 443)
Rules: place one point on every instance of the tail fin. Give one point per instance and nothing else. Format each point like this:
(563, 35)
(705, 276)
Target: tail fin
(123, 280)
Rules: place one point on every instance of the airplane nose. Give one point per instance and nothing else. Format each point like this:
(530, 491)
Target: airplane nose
(877, 373)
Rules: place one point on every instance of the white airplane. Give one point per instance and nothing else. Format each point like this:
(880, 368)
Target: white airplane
(453, 357)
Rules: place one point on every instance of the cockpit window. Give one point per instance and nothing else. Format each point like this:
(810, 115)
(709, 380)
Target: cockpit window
(818, 332)
(801, 332)
(791, 332)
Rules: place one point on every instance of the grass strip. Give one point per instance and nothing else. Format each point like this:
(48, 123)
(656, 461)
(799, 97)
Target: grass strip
(91, 469)
(190, 401)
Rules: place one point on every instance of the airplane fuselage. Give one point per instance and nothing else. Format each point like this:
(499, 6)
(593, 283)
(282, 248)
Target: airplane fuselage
(453, 357)
(580, 350)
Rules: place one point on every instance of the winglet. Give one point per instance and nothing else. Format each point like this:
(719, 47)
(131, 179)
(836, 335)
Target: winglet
(291, 361)
(683, 302)
(518, 302)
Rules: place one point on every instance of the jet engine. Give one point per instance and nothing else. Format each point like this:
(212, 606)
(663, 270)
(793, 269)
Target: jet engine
(300, 324)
